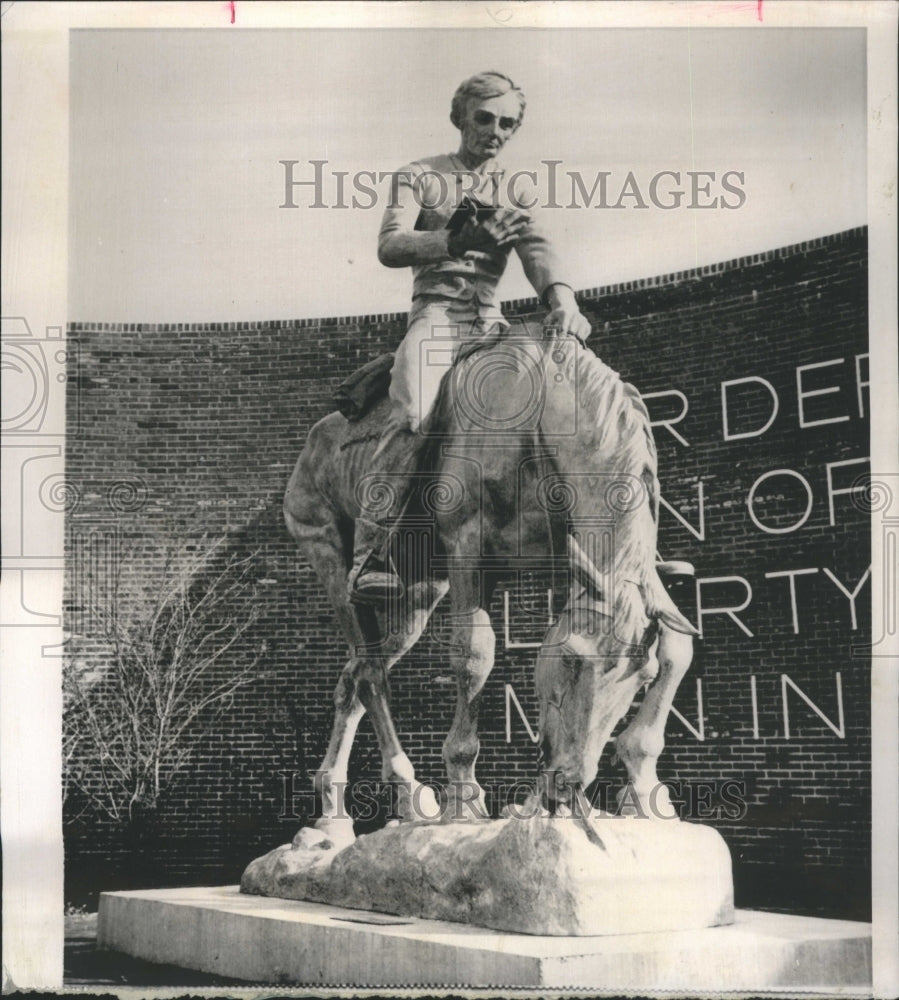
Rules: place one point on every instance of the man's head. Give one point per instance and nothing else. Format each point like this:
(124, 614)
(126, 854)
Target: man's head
(487, 109)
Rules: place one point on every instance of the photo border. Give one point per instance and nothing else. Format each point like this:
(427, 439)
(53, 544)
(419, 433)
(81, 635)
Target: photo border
(34, 275)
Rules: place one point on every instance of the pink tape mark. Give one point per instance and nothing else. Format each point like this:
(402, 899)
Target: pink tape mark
(234, 12)
(758, 9)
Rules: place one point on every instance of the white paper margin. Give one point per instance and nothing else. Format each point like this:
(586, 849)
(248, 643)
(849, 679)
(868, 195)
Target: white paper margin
(34, 266)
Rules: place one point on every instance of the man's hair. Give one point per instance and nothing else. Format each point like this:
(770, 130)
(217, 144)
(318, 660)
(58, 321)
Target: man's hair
(483, 86)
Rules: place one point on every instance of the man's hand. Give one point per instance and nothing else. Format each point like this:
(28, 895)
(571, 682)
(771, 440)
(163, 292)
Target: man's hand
(565, 317)
(501, 229)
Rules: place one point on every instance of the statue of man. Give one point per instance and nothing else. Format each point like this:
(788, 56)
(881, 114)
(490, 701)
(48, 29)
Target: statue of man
(456, 269)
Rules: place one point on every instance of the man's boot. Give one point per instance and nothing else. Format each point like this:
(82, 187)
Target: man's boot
(373, 578)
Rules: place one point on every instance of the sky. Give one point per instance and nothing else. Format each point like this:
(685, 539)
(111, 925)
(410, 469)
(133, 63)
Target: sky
(175, 184)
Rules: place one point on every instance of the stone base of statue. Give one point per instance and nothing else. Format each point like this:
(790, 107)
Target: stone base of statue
(256, 939)
(541, 875)
(621, 905)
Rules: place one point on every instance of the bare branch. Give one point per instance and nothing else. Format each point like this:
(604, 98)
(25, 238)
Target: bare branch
(164, 674)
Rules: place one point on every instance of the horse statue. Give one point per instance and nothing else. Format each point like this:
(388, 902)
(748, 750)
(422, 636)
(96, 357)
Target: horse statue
(544, 458)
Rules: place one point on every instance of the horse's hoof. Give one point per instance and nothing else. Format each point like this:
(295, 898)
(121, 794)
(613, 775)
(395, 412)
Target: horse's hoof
(325, 835)
(309, 839)
(464, 810)
(424, 804)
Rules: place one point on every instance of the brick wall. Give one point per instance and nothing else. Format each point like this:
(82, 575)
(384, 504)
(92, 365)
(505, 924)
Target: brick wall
(186, 426)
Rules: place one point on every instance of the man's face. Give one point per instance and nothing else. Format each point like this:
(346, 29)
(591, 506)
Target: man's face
(487, 126)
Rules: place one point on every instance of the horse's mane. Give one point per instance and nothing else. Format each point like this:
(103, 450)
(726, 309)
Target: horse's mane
(617, 422)
(612, 405)
(624, 440)
(609, 404)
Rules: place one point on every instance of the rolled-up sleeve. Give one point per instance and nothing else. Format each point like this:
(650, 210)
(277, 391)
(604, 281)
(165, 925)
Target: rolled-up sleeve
(539, 259)
(400, 244)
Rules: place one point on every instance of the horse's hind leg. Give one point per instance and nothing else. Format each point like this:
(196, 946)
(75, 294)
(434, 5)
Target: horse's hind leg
(362, 687)
(330, 780)
(319, 539)
(415, 801)
(641, 743)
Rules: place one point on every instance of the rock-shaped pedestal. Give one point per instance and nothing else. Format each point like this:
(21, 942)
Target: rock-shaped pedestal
(542, 875)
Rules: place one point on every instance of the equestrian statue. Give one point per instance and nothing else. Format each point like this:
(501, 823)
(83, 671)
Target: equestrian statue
(496, 448)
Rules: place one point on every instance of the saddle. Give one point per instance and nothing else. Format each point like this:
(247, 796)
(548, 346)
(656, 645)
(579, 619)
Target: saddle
(356, 395)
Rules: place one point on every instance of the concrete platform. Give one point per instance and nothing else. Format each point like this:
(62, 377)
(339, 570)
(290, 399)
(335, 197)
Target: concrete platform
(263, 940)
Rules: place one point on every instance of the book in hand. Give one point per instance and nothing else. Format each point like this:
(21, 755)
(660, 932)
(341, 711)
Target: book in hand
(469, 208)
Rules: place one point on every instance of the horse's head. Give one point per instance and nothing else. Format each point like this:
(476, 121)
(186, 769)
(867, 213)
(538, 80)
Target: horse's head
(602, 649)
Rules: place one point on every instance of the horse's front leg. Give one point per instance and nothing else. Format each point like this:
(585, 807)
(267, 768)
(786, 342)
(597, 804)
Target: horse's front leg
(473, 645)
(642, 742)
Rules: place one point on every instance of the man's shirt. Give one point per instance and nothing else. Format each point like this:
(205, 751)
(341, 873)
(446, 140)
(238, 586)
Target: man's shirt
(423, 197)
